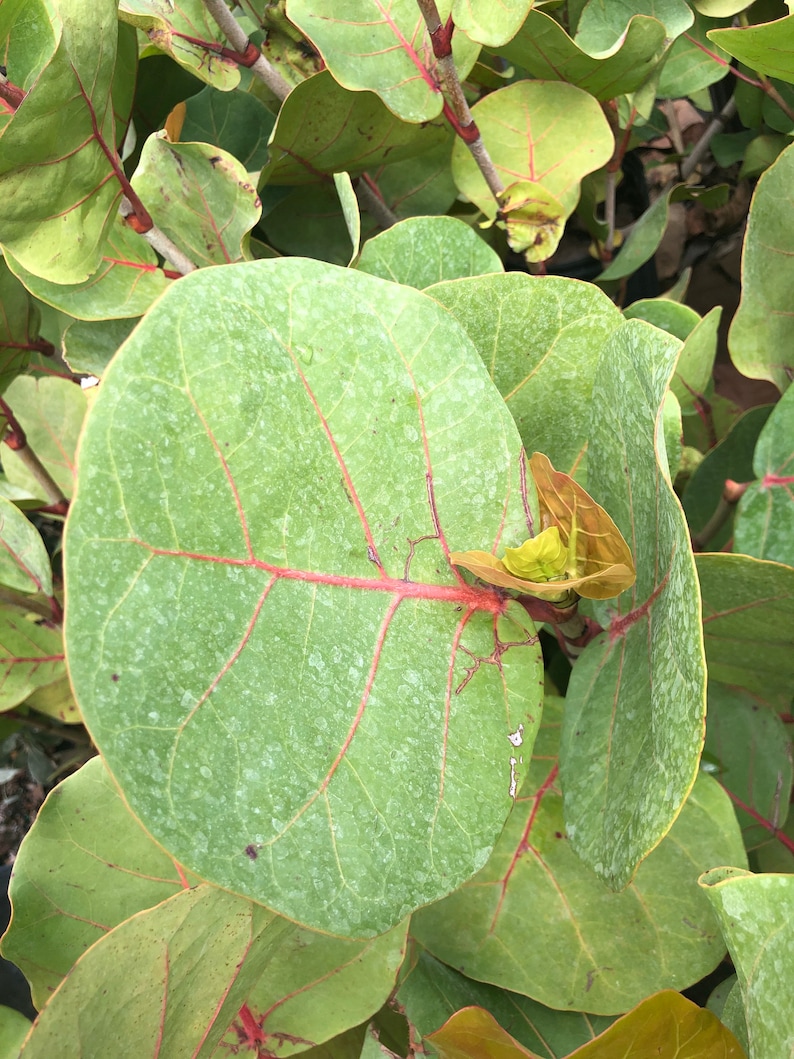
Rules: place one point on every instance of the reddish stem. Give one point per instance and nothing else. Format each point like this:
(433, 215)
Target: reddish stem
(781, 836)
(724, 62)
(15, 436)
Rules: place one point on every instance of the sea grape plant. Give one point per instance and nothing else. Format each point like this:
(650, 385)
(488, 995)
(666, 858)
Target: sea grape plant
(394, 585)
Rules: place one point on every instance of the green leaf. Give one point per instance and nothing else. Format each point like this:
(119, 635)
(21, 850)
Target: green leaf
(30, 31)
(730, 458)
(421, 251)
(386, 51)
(309, 222)
(211, 726)
(544, 48)
(642, 242)
(169, 25)
(602, 25)
(24, 563)
(237, 122)
(761, 153)
(200, 196)
(430, 992)
(31, 655)
(757, 917)
(761, 338)
(574, 955)
(752, 751)
(322, 128)
(50, 411)
(88, 346)
(696, 360)
(673, 433)
(768, 48)
(688, 68)
(540, 339)
(56, 180)
(547, 132)
(636, 698)
(350, 211)
(13, 1031)
(487, 23)
(125, 283)
(748, 624)
(19, 326)
(419, 186)
(765, 516)
(56, 700)
(87, 865)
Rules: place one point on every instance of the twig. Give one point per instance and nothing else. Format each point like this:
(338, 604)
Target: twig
(716, 125)
(610, 188)
(371, 200)
(17, 441)
(773, 829)
(159, 241)
(456, 109)
(776, 97)
(731, 495)
(11, 598)
(236, 36)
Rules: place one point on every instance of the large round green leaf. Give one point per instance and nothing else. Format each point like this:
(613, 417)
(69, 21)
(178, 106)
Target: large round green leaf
(547, 132)
(300, 697)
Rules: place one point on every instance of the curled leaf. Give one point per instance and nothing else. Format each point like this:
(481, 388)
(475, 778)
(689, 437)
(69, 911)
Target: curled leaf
(596, 558)
(533, 219)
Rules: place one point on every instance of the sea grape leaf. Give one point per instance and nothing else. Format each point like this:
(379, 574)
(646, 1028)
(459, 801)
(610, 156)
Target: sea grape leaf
(574, 955)
(102, 868)
(489, 24)
(762, 151)
(637, 695)
(19, 326)
(473, 1033)
(540, 338)
(200, 196)
(748, 624)
(159, 991)
(699, 335)
(599, 564)
(385, 48)
(31, 655)
(56, 180)
(125, 283)
(89, 345)
(169, 25)
(24, 563)
(323, 128)
(732, 457)
(50, 411)
(420, 251)
(544, 48)
(601, 26)
(400, 450)
(642, 242)
(56, 700)
(547, 132)
(757, 917)
(672, 431)
(721, 8)
(761, 339)
(667, 1025)
(430, 992)
(752, 752)
(14, 1029)
(764, 524)
(237, 122)
(689, 68)
(30, 31)
(767, 48)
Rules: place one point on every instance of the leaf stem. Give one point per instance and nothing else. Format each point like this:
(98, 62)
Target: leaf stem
(236, 36)
(16, 439)
(456, 108)
(159, 241)
(773, 829)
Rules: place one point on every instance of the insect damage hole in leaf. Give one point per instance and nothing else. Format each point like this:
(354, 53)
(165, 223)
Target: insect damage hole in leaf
(311, 696)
